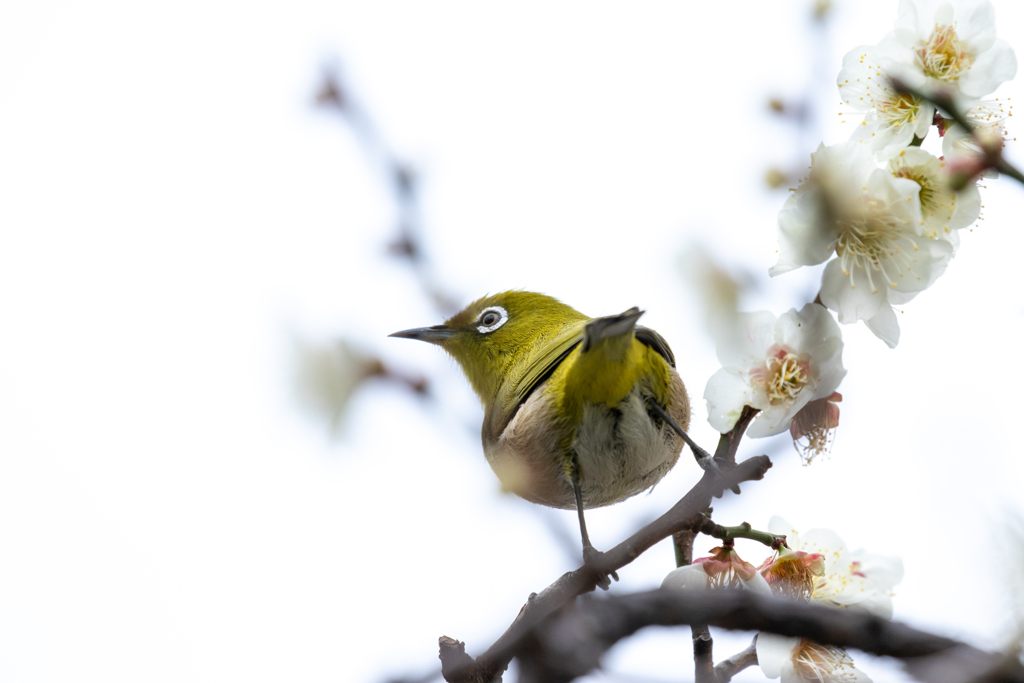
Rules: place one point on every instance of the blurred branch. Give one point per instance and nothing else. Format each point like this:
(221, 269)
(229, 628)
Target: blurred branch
(433, 675)
(408, 245)
(992, 153)
(573, 642)
(458, 667)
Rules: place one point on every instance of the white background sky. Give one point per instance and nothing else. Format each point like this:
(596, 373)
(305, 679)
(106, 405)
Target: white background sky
(173, 208)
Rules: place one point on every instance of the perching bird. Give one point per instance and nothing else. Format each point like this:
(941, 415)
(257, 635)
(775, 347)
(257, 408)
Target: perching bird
(578, 412)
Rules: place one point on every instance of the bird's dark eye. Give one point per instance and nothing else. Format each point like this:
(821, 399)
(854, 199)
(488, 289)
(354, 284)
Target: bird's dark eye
(491, 319)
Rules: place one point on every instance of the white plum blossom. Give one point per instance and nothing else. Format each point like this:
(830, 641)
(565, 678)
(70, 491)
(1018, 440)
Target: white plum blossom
(871, 221)
(723, 569)
(949, 44)
(776, 366)
(796, 660)
(853, 580)
(891, 119)
(944, 211)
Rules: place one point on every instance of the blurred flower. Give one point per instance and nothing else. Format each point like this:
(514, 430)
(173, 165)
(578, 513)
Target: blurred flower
(817, 421)
(723, 569)
(796, 660)
(776, 366)
(890, 119)
(943, 210)
(1010, 535)
(988, 117)
(328, 375)
(872, 222)
(718, 290)
(968, 156)
(857, 580)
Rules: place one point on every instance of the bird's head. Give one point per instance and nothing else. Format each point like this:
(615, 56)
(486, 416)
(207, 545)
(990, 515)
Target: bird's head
(493, 335)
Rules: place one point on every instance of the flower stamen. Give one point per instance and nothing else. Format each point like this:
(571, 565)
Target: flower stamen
(784, 375)
(872, 243)
(943, 57)
(816, 662)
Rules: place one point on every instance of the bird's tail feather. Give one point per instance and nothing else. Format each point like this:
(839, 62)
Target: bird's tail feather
(609, 327)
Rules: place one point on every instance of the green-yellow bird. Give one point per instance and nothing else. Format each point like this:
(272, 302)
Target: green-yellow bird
(578, 412)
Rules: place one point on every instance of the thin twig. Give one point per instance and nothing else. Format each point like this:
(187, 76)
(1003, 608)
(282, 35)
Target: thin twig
(943, 99)
(728, 668)
(729, 533)
(336, 96)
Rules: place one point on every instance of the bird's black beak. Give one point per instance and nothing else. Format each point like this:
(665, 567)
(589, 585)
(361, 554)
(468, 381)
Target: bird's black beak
(435, 335)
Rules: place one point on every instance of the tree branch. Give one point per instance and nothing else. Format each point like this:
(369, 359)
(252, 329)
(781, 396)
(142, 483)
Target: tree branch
(729, 443)
(703, 645)
(458, 667)
(726, 669)
(572, 643)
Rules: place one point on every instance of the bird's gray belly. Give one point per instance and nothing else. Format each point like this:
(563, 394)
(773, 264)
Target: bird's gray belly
(620, 451)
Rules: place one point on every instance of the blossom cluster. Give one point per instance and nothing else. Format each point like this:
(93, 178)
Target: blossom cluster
(882, 213)
(817, 567)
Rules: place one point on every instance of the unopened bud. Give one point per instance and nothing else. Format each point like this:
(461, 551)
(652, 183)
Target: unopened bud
(775, 178)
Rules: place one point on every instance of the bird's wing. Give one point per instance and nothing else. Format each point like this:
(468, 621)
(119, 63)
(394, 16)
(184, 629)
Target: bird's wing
(543, 361)
(649, 337)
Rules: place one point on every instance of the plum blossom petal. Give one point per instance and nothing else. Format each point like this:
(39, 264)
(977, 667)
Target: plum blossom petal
(884, 325)
(777, 367)
(775, 653)
(991, 69)
(861, 302)
(755, 333)
(721, 394)
(687, 577)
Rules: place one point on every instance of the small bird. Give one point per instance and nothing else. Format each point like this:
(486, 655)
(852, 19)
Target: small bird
(578, 412)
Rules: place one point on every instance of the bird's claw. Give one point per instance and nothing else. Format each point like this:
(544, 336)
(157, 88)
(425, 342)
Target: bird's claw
(719, 467)
(592, 556)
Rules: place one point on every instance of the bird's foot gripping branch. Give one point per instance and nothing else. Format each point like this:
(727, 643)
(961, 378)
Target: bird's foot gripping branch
(459, 667)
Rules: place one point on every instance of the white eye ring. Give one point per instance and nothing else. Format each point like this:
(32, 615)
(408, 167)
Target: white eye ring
(502, 319)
